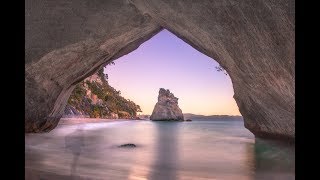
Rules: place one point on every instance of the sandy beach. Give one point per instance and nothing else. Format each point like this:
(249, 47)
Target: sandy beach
(71, 121)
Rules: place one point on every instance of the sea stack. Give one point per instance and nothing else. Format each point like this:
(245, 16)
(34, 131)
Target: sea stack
(166, 109)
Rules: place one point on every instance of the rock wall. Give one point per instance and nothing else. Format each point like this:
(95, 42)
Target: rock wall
(71, 112)
(167, 107)
(253, 40)
(67, 41)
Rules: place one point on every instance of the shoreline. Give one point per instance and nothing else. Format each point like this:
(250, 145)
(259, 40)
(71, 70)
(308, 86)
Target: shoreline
(72, 121)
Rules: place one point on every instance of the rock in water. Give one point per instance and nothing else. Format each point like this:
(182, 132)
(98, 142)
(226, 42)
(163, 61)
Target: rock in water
(167, 107)
(127, 146)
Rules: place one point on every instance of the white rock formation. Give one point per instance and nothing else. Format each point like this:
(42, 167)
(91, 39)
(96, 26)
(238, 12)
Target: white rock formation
(167, 107)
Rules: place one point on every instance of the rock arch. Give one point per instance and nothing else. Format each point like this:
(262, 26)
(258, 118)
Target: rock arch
(67, 41)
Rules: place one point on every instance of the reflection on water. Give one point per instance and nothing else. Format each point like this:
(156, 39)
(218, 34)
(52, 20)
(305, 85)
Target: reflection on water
(165, 150)
(74, 142)
(166, 155)
(273, 159)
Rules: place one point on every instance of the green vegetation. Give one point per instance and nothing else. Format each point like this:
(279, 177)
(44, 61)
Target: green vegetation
(108, 101)
(221, 69)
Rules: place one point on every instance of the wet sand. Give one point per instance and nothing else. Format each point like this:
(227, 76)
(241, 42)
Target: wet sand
(72, 121)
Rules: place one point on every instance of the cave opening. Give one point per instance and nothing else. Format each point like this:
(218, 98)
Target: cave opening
(165, 61)
(159, 150)
(67, 42)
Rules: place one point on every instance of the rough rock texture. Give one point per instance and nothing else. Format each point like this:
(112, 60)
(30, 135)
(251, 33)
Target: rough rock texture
(70, 112)
(167, 107)
(67, 41)
(253, 40)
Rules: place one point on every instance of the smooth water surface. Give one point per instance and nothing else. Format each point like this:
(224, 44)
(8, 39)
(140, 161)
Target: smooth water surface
(165, 151)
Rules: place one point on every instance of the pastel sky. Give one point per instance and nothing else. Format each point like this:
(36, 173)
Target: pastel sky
(165, 61)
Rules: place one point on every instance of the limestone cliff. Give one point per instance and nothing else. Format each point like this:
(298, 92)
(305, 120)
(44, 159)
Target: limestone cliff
(253, 40)
(95, 98)
(167, 107)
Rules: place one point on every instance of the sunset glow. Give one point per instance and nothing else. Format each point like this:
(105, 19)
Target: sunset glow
(165, 61)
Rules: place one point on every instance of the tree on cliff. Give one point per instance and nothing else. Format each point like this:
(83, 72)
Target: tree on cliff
(221, 69)
(109, 99)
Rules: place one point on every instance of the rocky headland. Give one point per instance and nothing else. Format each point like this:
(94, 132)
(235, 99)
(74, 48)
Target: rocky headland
(94, 97)
(166, 109)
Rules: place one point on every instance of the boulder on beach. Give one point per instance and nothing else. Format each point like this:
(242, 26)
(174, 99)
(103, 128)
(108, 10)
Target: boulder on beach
(130, 145)
(166, 109)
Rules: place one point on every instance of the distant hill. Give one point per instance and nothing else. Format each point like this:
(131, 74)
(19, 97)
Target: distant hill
(211, 117)
(201, 117)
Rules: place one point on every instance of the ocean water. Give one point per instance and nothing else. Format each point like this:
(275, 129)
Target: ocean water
(199, 150)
